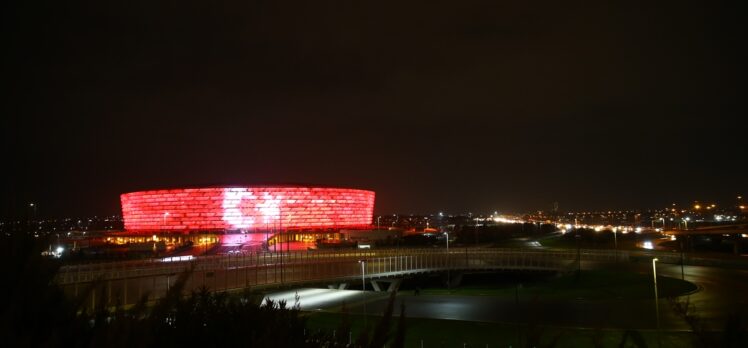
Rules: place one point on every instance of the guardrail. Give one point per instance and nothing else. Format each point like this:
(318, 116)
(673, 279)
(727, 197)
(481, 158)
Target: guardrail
(127, 282)
(461, 257)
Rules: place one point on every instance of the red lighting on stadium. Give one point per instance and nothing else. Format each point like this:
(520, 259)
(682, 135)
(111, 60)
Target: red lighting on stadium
(247, 208)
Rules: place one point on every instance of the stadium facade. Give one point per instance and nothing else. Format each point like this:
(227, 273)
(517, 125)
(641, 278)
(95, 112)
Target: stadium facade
(244, 213)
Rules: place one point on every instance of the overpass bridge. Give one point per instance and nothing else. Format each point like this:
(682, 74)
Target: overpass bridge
(126, 283)
(734, 232)
(718, 229)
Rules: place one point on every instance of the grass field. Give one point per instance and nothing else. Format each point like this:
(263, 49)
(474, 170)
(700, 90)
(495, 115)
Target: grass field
(591, 285)
(456, 333)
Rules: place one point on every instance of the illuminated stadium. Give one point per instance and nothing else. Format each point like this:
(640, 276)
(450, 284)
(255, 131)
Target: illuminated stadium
(243, 211)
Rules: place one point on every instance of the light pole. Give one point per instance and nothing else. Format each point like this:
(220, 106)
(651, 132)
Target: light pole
(579, 256)
(363, 274)
(30, 217)
(378, 217)
(283, 233)
(449, 282)
(363, 286)
(280, 233)
(166, 213)
(686, 220)
(615, 242)
(682, 259)
(657, 307)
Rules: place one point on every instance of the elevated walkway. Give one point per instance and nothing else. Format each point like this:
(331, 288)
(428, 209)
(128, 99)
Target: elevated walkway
(129, 281)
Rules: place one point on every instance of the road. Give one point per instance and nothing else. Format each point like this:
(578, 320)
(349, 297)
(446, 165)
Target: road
(722, 291)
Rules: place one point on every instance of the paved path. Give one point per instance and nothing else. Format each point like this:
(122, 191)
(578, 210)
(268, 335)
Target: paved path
(722, 291)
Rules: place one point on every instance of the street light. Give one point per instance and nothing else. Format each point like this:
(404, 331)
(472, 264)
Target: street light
(686, 220)
(363, 286)
(449, 283)
(657, 307)
(267, 240)
(579, 255)
(682, 260)
(615, 242)
(363, 274)
(33, 213)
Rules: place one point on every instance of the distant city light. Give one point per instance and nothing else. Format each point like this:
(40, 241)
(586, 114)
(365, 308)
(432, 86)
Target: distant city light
(506, 220)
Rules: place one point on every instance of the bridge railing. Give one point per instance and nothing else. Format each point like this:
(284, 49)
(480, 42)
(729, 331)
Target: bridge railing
(429, 257)
(126, 283)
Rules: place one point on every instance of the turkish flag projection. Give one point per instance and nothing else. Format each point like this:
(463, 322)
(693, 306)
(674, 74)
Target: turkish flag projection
(245, 208)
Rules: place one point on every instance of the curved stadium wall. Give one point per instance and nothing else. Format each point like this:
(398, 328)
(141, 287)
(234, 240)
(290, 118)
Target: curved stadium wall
(247, 208)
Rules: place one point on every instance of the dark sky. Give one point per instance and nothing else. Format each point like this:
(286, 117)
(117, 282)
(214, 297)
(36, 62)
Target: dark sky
(435, 105)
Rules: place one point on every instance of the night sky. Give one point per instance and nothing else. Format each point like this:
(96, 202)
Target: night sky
(436, 105)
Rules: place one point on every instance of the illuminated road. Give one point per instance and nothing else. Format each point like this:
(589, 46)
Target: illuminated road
(723, 291)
